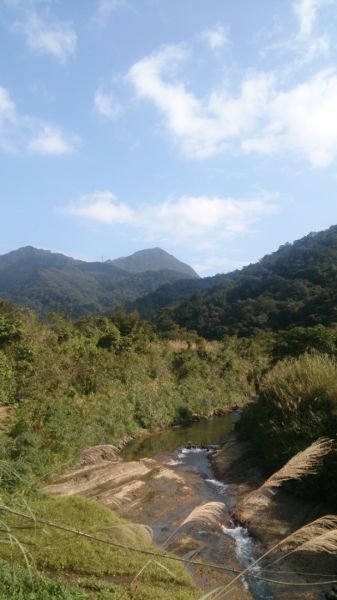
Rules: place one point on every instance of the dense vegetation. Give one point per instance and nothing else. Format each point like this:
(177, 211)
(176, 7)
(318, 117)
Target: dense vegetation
(87, 566)
(170, 294)
(100, 379)
(47, 281)
(69, 384)
(292, 287)
(297, 404)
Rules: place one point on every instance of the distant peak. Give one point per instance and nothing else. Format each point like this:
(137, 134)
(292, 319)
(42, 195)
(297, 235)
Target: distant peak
(153, 259)
(31, 250)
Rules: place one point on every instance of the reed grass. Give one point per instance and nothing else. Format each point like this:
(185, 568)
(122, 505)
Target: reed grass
(302, 464)
(318, 536)
(207, 515)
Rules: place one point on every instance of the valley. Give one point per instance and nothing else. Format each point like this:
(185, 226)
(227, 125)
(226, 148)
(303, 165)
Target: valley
(120, 428)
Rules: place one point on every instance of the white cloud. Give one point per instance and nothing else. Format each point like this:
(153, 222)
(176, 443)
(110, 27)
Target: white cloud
(106, 105)
(216, 37)
(201, 223)
(303, 121)
(102, 207)
(56, 38)
(263, 116)
(7, 107)
(195, 220)
(50, 140)
(315, 47)
(306, 13)
(24, 133)
(307, 45)
(8, 121)
(106, 8)
(204, 127)
(42, 33)
(202, 217)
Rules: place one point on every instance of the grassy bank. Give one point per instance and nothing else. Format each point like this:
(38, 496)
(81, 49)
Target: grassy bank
(296, 405)
(70, 385)
(65, 566)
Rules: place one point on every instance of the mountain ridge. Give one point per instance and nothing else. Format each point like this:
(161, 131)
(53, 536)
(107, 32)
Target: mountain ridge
(295, 286)
(46, 280)
(152, 259)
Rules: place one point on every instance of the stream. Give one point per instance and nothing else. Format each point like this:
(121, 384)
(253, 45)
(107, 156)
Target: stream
(200, 437)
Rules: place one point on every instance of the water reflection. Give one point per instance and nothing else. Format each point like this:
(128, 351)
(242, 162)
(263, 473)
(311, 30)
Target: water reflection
(198, 433)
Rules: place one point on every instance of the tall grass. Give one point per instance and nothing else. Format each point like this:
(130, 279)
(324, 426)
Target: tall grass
(86, 383)
(57, 543)
(297, 404)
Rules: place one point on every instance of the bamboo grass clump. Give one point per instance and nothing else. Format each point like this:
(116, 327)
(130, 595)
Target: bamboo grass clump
(311, 531)
(205, 514)
(318, 536)
(326, 542)
(303, 463)
(208, 514)
(131, 532)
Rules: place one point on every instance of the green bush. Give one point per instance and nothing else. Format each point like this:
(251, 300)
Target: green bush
(7, 380)
(101, 379)
(16, 583)
(297, 404)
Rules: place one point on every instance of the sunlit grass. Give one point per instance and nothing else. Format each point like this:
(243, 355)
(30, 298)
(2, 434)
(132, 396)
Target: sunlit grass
(55, 551)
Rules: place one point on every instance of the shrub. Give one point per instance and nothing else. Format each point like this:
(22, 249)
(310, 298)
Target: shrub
(297, 404)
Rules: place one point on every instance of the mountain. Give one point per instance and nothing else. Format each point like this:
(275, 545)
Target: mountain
(44, 280)
(294, 286)
(171, 293)
(153, 259)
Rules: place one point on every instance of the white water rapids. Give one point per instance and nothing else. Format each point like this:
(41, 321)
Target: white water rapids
(196, 459)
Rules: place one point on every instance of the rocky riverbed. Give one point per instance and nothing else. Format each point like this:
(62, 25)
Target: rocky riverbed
(161, 491)
(150, 492)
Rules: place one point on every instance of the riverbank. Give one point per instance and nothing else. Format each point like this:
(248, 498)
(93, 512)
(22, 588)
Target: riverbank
(236, 464)
(159, 479)
(153, 493)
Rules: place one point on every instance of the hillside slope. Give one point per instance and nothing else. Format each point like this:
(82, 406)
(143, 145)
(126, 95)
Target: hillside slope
(153, 259)
(44, 280)
(294, 286)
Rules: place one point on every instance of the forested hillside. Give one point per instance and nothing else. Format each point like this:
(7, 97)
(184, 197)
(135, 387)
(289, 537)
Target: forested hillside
(152, 259)
(67, 385)
(150, 304)
(295, 286)
(48, 281)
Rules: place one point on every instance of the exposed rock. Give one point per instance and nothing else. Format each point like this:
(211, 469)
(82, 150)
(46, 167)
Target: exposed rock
(235, 464)
(95, 454)
(150, 492)
(270, 519)
(106, 476)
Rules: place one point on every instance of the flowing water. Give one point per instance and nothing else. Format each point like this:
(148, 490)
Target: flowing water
(200, 437)
(197, 433)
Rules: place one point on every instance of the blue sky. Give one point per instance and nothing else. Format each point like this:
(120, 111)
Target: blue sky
(206, 127)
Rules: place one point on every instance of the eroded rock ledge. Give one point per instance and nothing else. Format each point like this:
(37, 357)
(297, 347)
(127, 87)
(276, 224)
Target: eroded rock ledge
(150, 492)
(235, 463)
